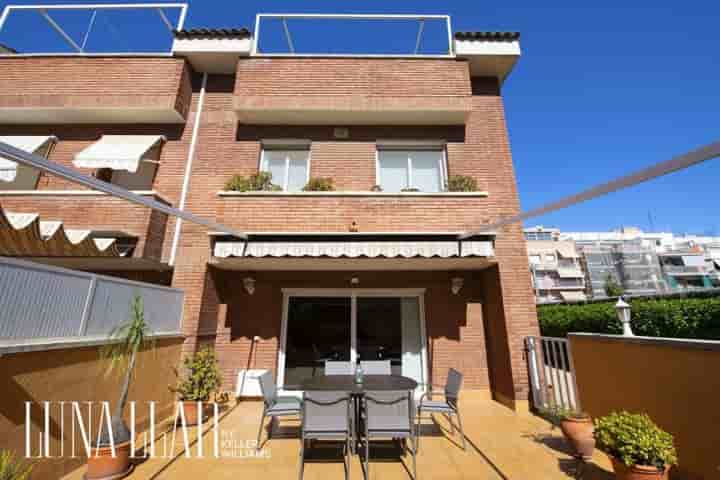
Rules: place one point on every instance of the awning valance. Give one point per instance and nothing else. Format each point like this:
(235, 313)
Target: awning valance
(28, 143)
(573, 296)
(24, 235)
(118, 152)
(356, 249)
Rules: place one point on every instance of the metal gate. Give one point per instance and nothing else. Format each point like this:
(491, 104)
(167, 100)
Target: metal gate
(552, 375)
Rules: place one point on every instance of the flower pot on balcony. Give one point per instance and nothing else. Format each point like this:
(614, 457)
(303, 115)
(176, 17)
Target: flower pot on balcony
(578, 429)
(638, 472)
(102, 465)
(193, 415)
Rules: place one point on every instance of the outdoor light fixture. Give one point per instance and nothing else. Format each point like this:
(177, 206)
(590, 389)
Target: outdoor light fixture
(623, 313)
(354, 281)
(249, 285)
(456, 284)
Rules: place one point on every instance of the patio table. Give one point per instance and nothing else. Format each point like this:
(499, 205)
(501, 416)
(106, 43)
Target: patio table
(370, 383)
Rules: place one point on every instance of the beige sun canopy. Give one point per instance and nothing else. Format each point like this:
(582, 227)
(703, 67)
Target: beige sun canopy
(29, 143)
(573, 296)
(119, 152)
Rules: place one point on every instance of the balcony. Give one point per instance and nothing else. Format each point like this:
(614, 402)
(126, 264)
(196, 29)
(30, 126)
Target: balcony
(685, 270)
(97, 90)
(352, 91)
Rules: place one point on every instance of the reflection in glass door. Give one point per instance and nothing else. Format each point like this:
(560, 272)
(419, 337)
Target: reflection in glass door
(352, 328)
(318, 329)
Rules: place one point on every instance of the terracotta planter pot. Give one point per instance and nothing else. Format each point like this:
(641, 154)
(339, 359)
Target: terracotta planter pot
(638, 472)
(103, 466)
(193, 416)
(579, 432)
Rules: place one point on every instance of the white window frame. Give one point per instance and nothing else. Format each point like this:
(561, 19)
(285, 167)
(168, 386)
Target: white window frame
(353, 294)
(419, 145)
(286, 146)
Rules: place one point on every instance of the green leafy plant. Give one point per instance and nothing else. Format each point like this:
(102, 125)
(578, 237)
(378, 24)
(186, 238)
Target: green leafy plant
(634, 439)
(557, 414)
(258, 182)
(410, 189)
(12, 468)
(127, 340)
(319, 184)
(696, 316)
(612, 287)
(461, 183)
(376, 188)
(201, 377)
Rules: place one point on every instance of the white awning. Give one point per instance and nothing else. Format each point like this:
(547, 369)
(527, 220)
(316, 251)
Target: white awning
(118, 152)
(694, 260)
(28, 143)
(573, 296)
(426, 249)
(570, 273)
(566, 250)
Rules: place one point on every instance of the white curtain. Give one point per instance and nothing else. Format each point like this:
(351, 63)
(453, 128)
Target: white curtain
(412, 357)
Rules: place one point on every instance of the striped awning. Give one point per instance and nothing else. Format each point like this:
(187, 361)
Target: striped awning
(118, 152)
(28, 143)
(356, 249)
(25, 235)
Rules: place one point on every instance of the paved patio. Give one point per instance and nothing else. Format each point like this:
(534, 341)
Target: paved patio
(501, 445)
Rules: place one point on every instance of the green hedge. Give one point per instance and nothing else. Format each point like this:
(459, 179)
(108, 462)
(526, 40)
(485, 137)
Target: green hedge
(653, 317)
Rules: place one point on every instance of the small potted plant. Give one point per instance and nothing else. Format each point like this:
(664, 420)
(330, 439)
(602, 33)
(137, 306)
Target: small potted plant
(461, 183)
(258, 182)
(577, 427)
(637, 447)
(200, 379)
(13, 469)
(319, 184)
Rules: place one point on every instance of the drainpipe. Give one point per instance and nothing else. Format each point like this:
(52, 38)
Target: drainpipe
(188, 170)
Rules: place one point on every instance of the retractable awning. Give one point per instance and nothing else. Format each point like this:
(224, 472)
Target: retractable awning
(570, 273)
(118, 152)
(573, 296)
(25, 235)
(566, 250)
(356, 249)
(28, 143)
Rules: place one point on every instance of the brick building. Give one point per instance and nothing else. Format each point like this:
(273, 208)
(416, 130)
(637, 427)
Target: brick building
(373, 269)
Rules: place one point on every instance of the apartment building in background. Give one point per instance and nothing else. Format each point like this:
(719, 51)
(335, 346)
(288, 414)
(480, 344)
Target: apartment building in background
(371, 269)
(641, 263)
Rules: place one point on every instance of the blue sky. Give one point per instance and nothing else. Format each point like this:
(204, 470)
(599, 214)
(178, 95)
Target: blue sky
(600, 90)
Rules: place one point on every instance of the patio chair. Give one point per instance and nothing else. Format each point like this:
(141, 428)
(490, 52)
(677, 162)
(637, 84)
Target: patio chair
(327, 416)
(338, 368)
(389, 415)
(448, 406)
(375, 367)
(274, 405)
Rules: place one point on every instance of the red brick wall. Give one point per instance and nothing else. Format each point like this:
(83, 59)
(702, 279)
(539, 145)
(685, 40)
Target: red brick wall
(93, 82)
(454, 323)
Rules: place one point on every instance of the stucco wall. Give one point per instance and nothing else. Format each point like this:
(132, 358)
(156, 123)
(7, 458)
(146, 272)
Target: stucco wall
(76, 374)
(674, 381)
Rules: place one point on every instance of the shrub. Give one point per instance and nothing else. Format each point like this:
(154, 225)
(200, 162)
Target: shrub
(634, 439)
(612, 287)
(694, 317)
(461, 183)
(319, 184)
(201, 377)
(12, 468)
(557, 414)
(258, 182)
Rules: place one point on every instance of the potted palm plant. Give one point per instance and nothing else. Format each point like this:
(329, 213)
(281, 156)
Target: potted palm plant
(200, 379)
(13, 469)
(127, 340)
(577, 427)
(637, 447)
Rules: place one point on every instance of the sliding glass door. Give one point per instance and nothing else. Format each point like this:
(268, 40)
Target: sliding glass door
(355, 325)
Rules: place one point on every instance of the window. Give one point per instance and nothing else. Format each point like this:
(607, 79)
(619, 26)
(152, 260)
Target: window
(290, 168)
(421, 169)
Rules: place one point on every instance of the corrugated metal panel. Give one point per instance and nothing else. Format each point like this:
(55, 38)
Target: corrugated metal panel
(38, 301)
